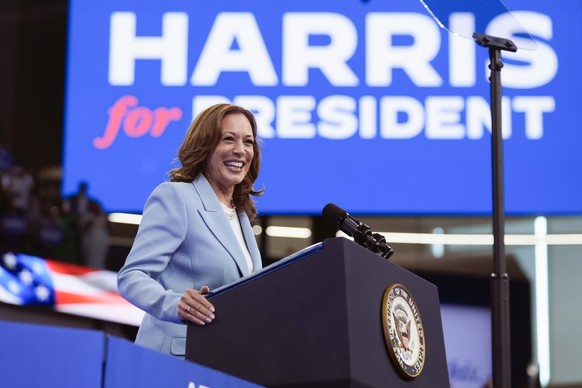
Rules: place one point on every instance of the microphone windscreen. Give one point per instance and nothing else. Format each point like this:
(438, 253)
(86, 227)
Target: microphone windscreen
(333, 213)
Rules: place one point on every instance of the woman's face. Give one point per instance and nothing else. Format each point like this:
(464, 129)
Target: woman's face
(231, 159)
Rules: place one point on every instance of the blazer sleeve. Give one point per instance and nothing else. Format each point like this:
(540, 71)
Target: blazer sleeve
(161, 232)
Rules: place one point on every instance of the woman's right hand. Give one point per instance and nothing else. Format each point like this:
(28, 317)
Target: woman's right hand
(194, 307)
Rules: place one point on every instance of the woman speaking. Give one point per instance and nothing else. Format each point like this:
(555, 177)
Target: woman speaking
(195, 234)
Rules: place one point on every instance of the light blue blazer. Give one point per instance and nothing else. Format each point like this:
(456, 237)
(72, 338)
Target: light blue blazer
(184, 241)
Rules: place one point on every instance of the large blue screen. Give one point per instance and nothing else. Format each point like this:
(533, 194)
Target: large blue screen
(366, 104)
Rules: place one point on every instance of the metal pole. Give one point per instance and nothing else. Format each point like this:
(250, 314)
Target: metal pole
(499, 278)
(500, 322)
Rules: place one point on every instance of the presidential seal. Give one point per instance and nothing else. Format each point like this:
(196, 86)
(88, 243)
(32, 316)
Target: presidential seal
(403, 331)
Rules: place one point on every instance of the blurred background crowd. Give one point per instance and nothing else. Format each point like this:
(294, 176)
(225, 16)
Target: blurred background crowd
(35, 220)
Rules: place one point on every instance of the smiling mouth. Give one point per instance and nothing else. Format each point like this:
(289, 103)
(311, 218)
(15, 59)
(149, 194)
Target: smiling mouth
(234, 165)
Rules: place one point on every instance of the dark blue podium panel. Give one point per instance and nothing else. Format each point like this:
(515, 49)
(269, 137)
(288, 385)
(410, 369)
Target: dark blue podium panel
(129, 365)
(47, 356)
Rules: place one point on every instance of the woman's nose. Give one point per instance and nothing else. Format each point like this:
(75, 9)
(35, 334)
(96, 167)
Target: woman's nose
(239, 147)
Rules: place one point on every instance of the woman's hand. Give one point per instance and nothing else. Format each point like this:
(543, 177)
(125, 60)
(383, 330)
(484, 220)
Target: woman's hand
(194, 307)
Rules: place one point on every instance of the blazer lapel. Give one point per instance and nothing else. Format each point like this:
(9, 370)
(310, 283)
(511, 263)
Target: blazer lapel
(214, 217)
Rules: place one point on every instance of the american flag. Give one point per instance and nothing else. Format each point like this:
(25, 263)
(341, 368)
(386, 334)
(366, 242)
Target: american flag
(68, 288)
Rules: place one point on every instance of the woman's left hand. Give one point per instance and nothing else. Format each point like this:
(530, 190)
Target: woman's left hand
(194, 307)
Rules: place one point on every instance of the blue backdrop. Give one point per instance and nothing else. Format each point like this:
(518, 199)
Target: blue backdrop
(369, 105)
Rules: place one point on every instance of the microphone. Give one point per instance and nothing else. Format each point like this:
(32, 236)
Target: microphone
(361, 233)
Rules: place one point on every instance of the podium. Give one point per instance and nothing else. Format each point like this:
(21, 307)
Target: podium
(315, 320)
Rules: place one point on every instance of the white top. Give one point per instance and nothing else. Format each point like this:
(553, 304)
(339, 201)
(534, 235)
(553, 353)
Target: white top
(235, 225)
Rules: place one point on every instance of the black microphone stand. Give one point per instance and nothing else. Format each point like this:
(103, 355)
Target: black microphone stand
(499, 278)
(364, 236)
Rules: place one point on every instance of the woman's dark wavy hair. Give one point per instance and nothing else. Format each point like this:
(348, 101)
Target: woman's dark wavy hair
(202, 138)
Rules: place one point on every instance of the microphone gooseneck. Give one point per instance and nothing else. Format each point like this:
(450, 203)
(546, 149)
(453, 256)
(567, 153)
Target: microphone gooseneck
(360, 232)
